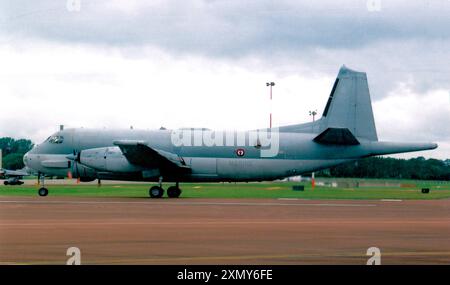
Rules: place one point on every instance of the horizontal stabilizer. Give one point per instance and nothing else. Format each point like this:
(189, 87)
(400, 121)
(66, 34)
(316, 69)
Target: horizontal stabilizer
(381, 148)
(339, 136)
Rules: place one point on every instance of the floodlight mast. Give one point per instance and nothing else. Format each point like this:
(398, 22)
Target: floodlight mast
(270, 84)
(313, 114)
(313, 179)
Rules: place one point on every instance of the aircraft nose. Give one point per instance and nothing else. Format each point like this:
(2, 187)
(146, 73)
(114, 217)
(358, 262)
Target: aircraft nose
(25, 159)
(30, 161)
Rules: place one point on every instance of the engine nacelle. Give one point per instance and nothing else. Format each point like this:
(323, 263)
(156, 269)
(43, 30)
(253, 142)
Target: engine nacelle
(110, 159)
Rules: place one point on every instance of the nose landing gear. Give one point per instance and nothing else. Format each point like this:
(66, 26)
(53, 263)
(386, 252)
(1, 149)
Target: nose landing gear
(42, 191)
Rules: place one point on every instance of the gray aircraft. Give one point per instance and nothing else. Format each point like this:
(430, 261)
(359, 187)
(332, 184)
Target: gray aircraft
(345, 132)
(12, 176)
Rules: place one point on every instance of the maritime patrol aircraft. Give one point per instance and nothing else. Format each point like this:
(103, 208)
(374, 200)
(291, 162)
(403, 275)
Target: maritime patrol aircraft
(345, 132)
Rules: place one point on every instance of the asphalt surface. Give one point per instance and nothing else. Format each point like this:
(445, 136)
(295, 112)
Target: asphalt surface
(39, 230)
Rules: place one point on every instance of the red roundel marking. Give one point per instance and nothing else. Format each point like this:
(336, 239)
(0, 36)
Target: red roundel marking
(240, 152)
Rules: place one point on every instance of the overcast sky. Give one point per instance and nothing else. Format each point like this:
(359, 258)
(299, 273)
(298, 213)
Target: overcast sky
(148, 64)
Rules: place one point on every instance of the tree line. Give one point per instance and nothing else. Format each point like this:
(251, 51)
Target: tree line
(388, 167)
(13, 151)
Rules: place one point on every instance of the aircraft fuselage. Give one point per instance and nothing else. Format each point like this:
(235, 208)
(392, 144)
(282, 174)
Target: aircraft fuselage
(296, 154)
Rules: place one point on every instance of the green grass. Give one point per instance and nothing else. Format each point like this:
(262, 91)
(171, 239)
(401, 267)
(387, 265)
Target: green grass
(439, 190)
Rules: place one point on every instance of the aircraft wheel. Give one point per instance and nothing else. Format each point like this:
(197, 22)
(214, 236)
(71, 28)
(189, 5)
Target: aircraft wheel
(173, 192)
(156, 192)
(43, 192)
(5, 182)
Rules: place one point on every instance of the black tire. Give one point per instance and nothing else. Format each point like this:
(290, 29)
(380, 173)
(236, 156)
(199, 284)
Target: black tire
(5, 183)
(173, 192)
(43, 192)
(156, 192)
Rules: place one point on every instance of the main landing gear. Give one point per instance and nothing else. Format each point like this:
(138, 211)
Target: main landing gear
(174, 191)
(158, 191)
(41, 181)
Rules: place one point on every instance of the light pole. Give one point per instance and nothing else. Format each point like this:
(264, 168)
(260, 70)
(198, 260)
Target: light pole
(313, 180)
(270, 84)
(313, 114)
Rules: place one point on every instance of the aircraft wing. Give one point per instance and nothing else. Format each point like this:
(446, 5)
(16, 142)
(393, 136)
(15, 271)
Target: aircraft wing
(139, 153)
(12, 173)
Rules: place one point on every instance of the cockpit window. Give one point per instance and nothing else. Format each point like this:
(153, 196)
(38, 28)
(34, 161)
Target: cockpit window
(56, 139)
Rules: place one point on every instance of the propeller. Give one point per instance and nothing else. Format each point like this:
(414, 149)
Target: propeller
(75, 159)
(74, 156)
(79, 170)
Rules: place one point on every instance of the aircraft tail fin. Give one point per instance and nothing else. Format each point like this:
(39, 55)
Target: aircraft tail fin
(349, 105)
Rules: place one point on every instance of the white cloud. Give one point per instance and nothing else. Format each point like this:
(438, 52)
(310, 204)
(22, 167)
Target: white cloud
(407, 115)
(50, 84)
(205, 63)
(45, 85)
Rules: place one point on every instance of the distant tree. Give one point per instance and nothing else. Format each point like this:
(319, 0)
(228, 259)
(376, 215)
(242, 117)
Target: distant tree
(13, 161)
(6, 144)
(23, 145)
(13, 151)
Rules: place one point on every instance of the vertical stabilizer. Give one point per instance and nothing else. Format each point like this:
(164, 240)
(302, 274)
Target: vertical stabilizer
(349, 105)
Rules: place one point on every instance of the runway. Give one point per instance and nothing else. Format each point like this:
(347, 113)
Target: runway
(36, 230)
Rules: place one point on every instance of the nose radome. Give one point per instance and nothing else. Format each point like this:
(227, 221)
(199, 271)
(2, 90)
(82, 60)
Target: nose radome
(25, 159)
(31, 160)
